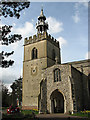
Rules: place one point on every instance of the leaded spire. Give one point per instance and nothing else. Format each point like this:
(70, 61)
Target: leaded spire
(41, 26)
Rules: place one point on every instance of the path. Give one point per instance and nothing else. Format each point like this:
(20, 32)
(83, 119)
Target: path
(59, 117)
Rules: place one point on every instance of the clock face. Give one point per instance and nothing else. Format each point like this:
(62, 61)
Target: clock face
(34, 70)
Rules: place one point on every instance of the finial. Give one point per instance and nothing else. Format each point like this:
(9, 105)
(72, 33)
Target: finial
(41, 10)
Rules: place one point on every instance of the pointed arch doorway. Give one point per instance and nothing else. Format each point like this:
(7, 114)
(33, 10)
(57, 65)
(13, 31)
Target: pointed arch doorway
(57, 102)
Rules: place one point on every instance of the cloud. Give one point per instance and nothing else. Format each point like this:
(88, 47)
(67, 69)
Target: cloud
(84, 3)
(17, 46)
(62, 41)
(1, 24)
(14, 24)
(26, 31)
(8, 75)
(9, 88)
(54, 25)
(76, 17)
(87, 56)
(78, 5)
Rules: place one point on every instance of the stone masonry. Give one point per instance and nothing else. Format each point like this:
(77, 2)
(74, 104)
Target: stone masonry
(48, 85)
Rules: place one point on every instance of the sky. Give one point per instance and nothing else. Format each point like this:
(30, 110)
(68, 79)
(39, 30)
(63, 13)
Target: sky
(68, 23)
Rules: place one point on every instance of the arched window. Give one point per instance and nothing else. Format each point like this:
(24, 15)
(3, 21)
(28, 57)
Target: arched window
(34, 53)
(57, 75)
(53, 54)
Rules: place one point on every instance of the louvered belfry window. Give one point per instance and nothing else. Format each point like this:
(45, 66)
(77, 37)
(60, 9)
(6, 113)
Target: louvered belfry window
(34, 53)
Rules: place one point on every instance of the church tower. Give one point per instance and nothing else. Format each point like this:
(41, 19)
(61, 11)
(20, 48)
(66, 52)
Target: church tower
(40, 52)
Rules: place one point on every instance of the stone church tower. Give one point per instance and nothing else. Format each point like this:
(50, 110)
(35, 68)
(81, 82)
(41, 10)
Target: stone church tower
(40, 52)
(48, 85)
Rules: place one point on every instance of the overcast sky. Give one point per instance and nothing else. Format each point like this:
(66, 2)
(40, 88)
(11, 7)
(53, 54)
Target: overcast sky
(68, 23)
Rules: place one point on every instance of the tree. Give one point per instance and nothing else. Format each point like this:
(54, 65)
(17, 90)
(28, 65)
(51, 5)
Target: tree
(17, 91)
(11, 9)
(6, 97)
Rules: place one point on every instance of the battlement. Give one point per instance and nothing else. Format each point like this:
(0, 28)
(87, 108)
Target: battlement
(40, 37)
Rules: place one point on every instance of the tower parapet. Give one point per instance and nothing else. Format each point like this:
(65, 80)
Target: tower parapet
(40, 37)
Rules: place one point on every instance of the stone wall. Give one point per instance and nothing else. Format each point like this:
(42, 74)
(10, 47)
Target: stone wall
(63, 86)
(50, 48)
(32, 68)
(43, 96)
(70, 78)
(40, 37)
(32, 73)
(41, 46)
(77, 89)
(84, 67)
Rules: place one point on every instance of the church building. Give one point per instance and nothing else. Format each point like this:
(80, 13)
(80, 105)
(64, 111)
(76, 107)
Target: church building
(49, 85)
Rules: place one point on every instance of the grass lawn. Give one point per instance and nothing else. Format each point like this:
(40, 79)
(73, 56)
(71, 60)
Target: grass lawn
(23, 114)
(82, 114)
(26, 112)
(17, 116)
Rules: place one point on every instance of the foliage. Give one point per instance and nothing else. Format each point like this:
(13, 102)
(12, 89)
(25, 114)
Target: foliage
(85, 111)
(11, 38)
(11, 9)
(17, 91)
(82, 113)
(9, 98)
(26, 112)
(5, 96)
(19, 116)
(4, 63)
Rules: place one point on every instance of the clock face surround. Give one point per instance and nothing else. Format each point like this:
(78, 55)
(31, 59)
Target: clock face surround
(34, 70)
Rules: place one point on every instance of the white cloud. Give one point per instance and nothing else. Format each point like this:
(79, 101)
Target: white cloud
(62, 41)
(1, 24)
(54, 25)
(76, 17)
(15, 45)
(21, 72)
(76, 5)
(14, 24)
(8, 75)
(8, 86)
(87, 56)
(27, 30)
(84, 3)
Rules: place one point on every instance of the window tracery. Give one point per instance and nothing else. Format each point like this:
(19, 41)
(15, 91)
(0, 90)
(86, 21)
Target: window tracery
(57, 75)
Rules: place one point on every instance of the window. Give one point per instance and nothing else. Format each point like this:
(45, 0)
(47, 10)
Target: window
(73, 91)
(34, 53)
(74, 105)
(53, 54)
(89, 83)
(57, 75)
